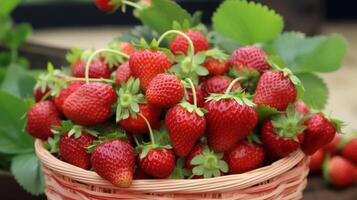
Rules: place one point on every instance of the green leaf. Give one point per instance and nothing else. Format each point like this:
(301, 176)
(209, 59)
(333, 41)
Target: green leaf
(226, 44)
(247, 22)
(161, 15)
(8, 6)
(197, 160)
(18, 81)
(316, 91)
(5, 24)
(138, 32)
(12, 138)
(309, 54)
(18, 35)
(27, 171)
(264, 112)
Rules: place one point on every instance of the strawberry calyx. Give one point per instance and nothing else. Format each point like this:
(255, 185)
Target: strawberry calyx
(129, 98)
(188, 106)
(179, 171)
(251, 78)
(162, 136)
(112, 59)
(117, 135)
(75, 55)
(289, 124)
(217, 54)
(254, 137)
(154, 45)
(209, 164)
(238, 95)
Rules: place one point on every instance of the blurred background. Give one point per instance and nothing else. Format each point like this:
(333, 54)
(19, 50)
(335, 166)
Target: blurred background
(62, 24)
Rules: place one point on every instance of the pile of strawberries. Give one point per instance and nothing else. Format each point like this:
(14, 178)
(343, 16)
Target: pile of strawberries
(189, 111)
(337, 161)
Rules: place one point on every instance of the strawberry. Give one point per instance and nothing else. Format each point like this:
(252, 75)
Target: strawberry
(105, 5)
(146, 64)
(90, 104)
(316, 161)
(250, 57)
(65, 92)
(140, 174)
(179, 44)
(283, 134)
(332, 147)
(97, 69)
(114, 161)
(244, 157)
(122, 73)
(72, 149)
(127, 48)
(158, 163)
(217, 84)
(276, 90)
(199, 96)
(319, 132)
(204, 163)
(339, 172)
(302, 108)
(41, 118)
(39, 94)
(349, 147)
(230, 119)
(216, 67)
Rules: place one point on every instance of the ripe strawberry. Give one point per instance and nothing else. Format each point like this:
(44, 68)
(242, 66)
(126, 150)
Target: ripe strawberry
(73, 149)
(122, 73)
(320, 131)
(97, 69)
(65, 92)
(349, 147)
(339, 171)
(165, 90)
(204, 163)
(41, 118)
(127, 48)
(146, 64)
(250, 57)
(39, 94)
(114, 161)
(105, 5)
(302, 108)
(180, 45)
(244, 157)
(276, 90)
(216, 67)
(90, 104)
(140, 174)
(199, 96)
(230, 119)
(217, 84)
(185, 124)
(332, 147)
(316, 161)
(283, 134)
(158, 163)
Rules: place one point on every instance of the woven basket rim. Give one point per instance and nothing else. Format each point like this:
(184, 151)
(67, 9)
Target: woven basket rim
(236, 181)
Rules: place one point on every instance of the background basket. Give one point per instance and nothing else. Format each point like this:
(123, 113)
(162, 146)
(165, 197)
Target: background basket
(284, 179)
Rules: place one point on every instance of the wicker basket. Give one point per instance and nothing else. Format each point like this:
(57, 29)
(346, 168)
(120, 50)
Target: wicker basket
(284, 179)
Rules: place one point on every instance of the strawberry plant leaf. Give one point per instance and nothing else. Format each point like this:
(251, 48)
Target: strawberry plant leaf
(253, 22)
(8, 6)
(161, 14)
(17, 35)
(137, 33)
(309, 54)
(264, 112)
(226, 44)
(316, 91)
(26, 169)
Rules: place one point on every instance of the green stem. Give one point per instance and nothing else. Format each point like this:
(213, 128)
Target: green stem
(136, 140)
(97, 52)
(190, 177)
(44, 97)
(14, 55)
(228, 90)
(193, 91)
(149, 127)
(132, 4)
(91, 79)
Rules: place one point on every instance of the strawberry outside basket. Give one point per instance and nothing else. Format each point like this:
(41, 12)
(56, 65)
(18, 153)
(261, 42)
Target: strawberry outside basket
(284, 179)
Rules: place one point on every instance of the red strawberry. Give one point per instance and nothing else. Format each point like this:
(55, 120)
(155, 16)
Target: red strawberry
(114, 161)
(244, 157)
(316, 161)
(73, 149)
(199, 96)
(204, 163)
(283, 134)
(339, 171)
(349, 147)
(158, 163)
(90, 104)
(122, 73)
(184, 127)
(97, 69)
(127, 48)
(230, 119)
(180, 45)
(38, 94)
(275, 90)
(140, 174)
(250, 57)
(302, 108)
(41, 118)
(65, 92)
(165, 90)
(332, 147)
(138, 125)
(217, 84)
(105, 5)
(216, 67)
(320, 131)
(146, 64)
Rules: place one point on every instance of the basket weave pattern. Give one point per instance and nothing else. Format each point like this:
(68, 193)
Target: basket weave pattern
(284, 179)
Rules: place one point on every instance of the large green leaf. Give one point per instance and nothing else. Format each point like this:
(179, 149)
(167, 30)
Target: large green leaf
(6, 6)
(12, 138)
(161, 15)
(18, 81)
(226, 44)
(138, 32)
(247, 22)
(309, 54)
(17, 35)
(316, 91)
(27, 171)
